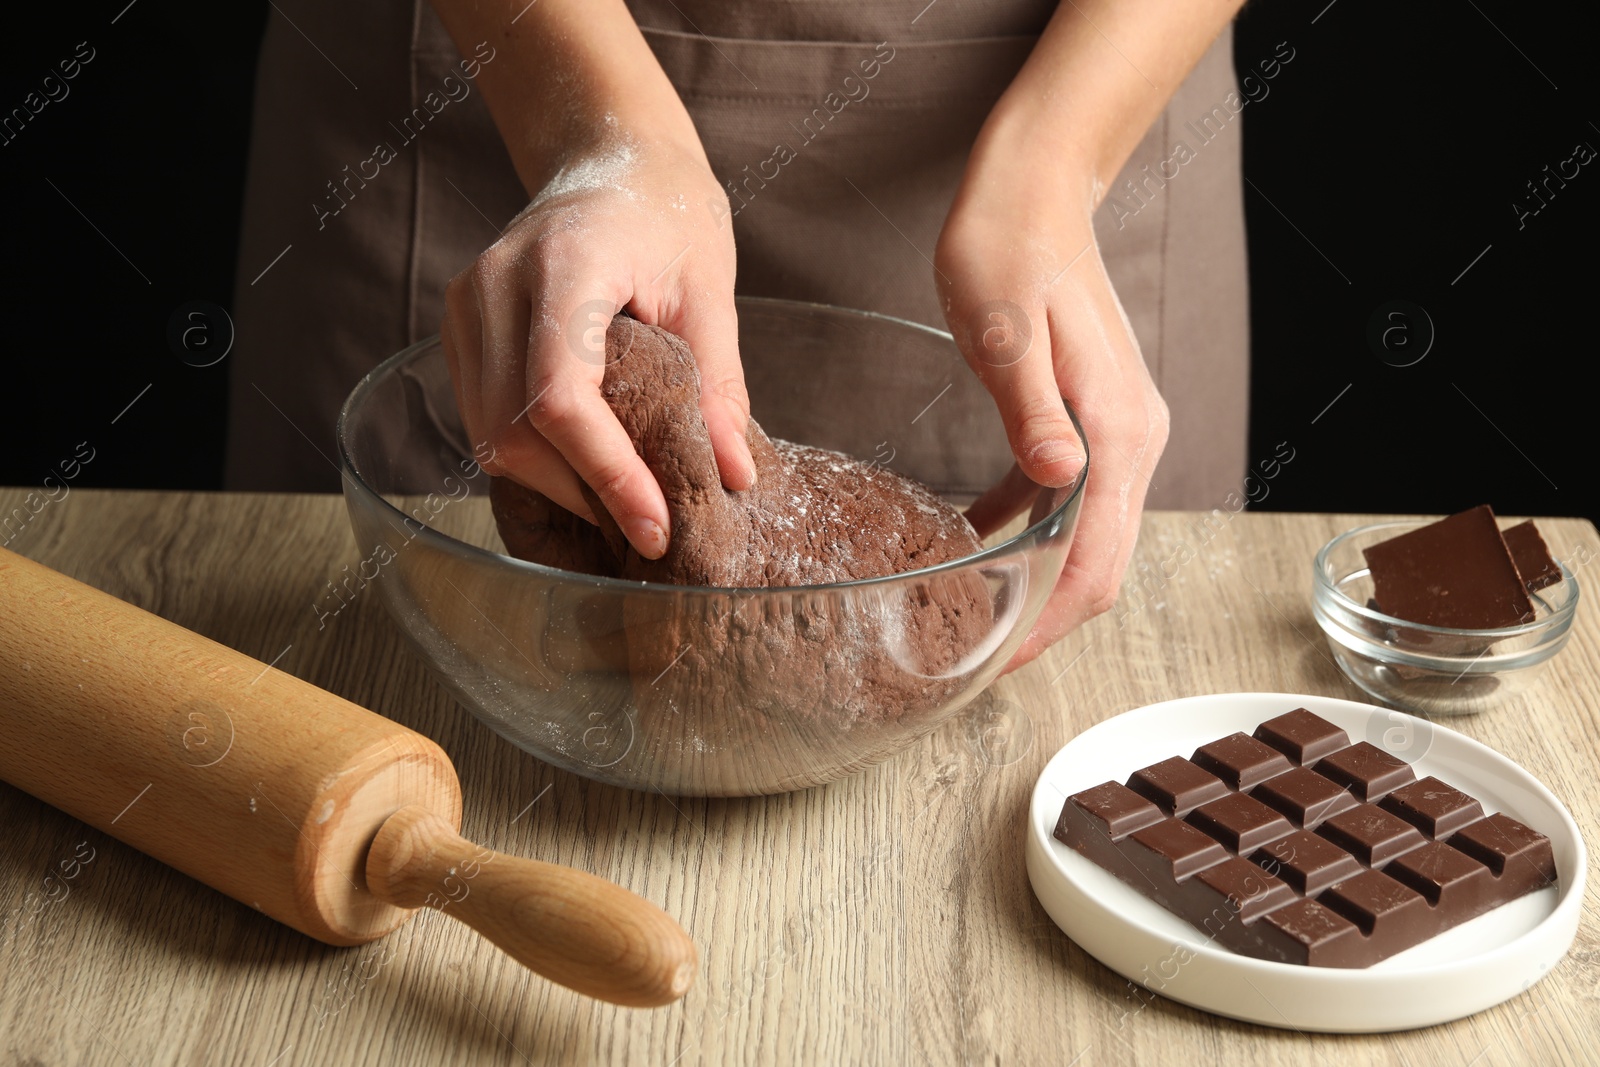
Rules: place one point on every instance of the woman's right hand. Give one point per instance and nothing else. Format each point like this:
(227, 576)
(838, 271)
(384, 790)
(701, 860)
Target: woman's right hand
(624, 224)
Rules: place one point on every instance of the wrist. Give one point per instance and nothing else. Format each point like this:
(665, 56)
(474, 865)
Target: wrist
(610, 123)
(623, 134)
(1032, 143)
(572, 80)
(1027, 173)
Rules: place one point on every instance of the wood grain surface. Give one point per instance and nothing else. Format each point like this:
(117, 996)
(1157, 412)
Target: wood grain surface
(883, 919)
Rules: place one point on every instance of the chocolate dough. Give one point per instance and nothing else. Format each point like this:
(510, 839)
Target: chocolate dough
(813, 517)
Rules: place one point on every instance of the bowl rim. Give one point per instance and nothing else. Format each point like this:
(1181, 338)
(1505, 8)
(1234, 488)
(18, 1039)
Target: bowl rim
(1324, 586)
(350, 475)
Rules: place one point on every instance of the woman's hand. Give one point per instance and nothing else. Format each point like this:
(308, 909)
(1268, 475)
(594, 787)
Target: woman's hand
(1027, 295)
(621, 219)
(1029, 302)
(623, 224)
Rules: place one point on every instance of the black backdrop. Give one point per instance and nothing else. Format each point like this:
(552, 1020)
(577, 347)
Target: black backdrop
(1385, 162)
(1386, 165)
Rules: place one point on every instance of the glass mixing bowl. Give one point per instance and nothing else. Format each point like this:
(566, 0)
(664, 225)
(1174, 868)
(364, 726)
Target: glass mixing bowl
(700, 691)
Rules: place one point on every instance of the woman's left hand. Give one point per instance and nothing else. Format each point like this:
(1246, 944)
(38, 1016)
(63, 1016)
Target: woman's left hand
(1030, 304)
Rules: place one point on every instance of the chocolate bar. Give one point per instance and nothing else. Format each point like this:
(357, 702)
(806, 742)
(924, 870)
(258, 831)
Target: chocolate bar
(1294, 845)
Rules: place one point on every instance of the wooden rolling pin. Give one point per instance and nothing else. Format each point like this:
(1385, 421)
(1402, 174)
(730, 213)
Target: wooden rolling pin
(321, 814)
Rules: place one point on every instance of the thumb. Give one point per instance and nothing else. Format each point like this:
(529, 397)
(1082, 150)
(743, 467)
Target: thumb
(1009, 350)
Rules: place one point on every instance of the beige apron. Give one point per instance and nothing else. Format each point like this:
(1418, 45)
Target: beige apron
(851, 218)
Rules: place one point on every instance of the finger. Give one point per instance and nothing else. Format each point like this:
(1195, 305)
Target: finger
(710, 326)
(1002, 502)
(517, 451)
(1060, 617)
(505, 300)
(1010, 350)
(575, 419)
(1126, 427)
(564, 404)
(528, 459)
(462, 338)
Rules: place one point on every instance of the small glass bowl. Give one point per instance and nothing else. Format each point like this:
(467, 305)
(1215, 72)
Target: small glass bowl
(1435, 670)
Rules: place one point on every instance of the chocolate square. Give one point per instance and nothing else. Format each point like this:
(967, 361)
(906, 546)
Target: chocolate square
(1379, 905)
(1509, 849)
(1305, 796)
(1307, 862)
(1302, 736)
(1371, 834)
(1247, 891)
(1240, 760)
(1309, 933)
(1115, 810)
(1176, 786)
(1446, 878)
(1366, 770)
(1240, 822)
(1436, 809)
(1173, 850)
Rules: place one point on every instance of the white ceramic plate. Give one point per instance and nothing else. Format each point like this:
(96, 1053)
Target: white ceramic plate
(1474, 966)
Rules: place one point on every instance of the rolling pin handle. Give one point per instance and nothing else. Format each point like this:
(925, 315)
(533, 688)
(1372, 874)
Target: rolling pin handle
(581, 931)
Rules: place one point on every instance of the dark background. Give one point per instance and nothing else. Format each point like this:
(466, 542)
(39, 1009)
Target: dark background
(1397, 141)
(150, 146)
(1385, 158)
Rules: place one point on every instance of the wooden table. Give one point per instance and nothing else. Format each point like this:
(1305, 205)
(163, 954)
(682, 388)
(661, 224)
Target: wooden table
(883, 919)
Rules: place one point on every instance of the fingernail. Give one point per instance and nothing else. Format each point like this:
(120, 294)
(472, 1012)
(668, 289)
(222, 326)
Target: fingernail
(747, 465)
(1055, 463)
(1056, 450)
(737, 466)
(647, 537)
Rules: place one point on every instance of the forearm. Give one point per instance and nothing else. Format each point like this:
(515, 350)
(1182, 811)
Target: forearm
(1098, 78)
(568, 77)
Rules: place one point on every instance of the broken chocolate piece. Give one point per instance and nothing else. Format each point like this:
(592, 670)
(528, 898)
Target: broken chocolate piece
(1294, 867)
(1456, 572)
(1537, 567)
